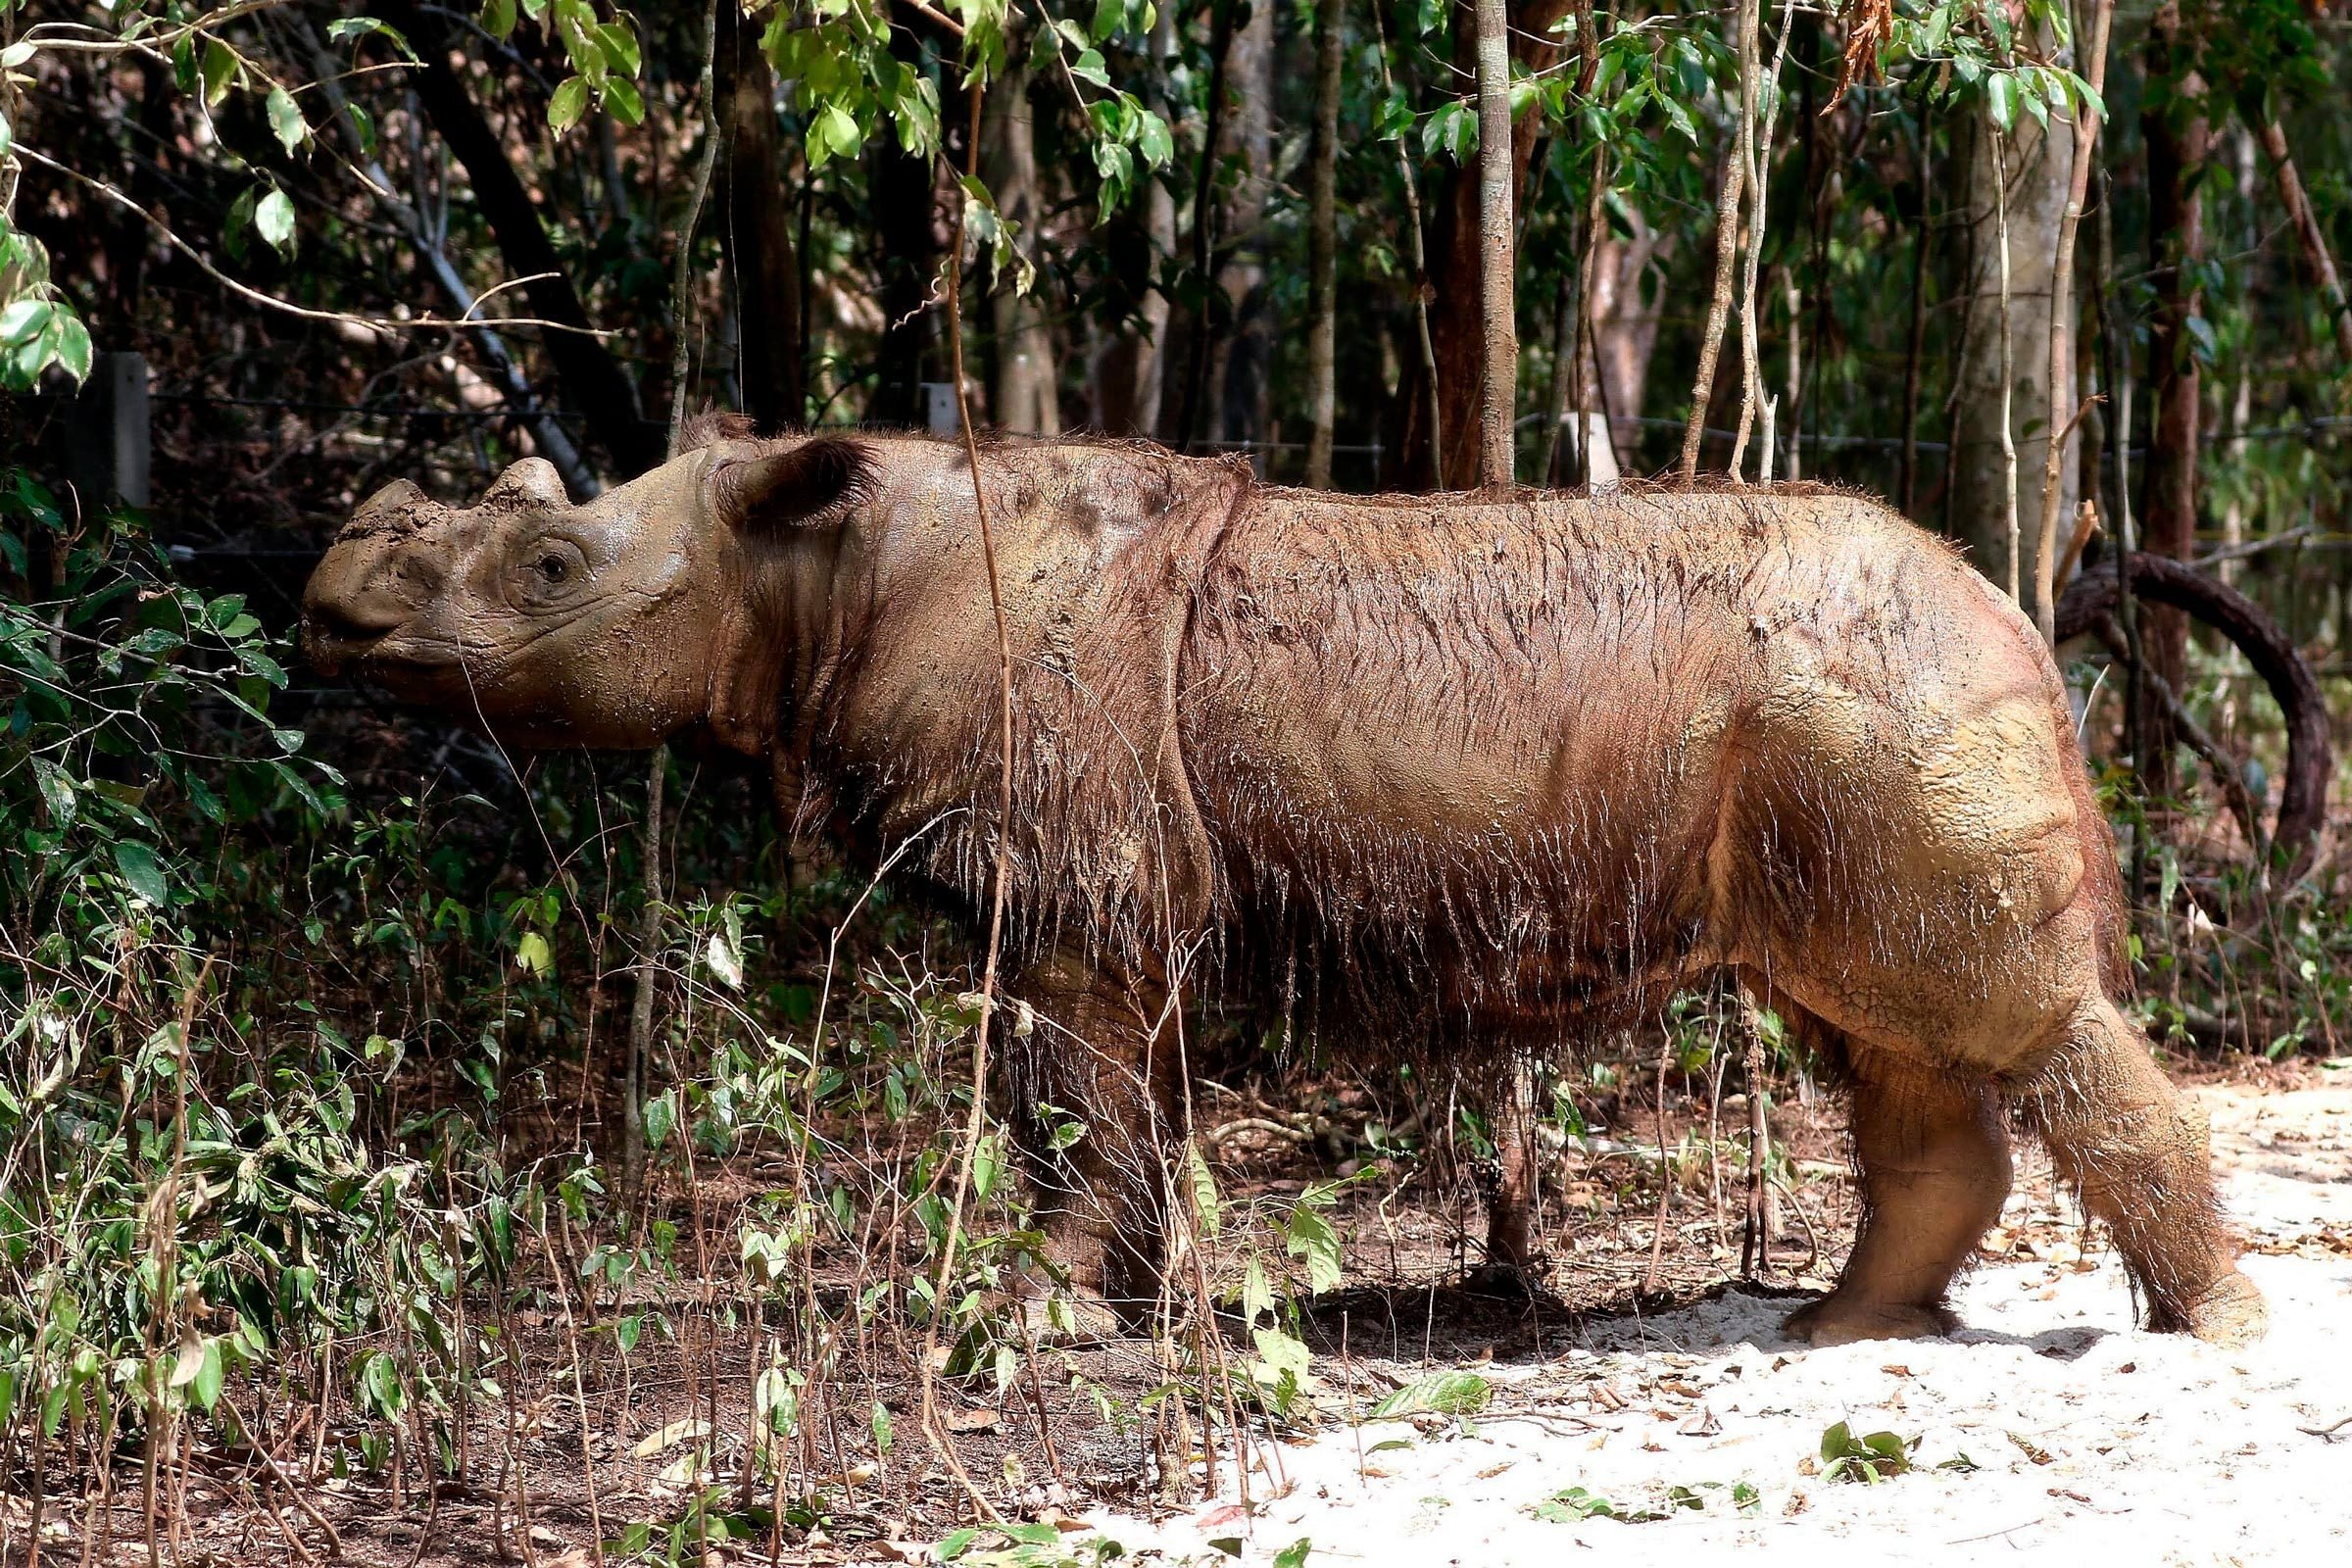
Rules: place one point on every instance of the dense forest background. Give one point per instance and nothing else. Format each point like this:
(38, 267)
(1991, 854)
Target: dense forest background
(376, 1105)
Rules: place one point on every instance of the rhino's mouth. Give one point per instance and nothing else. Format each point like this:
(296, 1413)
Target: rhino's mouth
(388, 656)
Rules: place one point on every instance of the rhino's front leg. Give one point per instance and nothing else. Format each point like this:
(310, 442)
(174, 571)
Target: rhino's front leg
(1094, 1081)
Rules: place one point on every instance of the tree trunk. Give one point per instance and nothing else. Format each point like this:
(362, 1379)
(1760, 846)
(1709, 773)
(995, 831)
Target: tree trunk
(1027, 395)
(2055, 513)
(1131, 374)
(2313, 238)
(1456, 317)
(592, 376)
(905, 196)
(1200, 324)
(2176, 140)
(1242, 360)
(1498, 178)
(1984, 493)
(1322, 249)
(755, 232)
(1624, 330)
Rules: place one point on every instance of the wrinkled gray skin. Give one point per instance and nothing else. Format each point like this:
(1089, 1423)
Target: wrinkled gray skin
(1497, 772)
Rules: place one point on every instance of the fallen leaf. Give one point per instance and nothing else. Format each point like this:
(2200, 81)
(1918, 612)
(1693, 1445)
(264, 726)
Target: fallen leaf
(675, 1432)
(979, 1420)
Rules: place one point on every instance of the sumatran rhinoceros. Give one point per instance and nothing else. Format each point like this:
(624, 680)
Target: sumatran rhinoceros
(1480, 774)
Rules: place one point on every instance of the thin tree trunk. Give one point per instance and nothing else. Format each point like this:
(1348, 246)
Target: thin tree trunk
(2000, 209)
(1760, 103)
(1322, 249)
(1915, 349)
(649, 936)
(1196, 379)
(755, 232)
(1458, 317)
(1242, 360)
(2014, 183)
(2176, 155)
(1567, 374)
(1498, 404)
(1431, 387)
(1591, 381)
(1026, 394)
(1727, 257)
(592, 376)
(2044, 604)
(2307, 229)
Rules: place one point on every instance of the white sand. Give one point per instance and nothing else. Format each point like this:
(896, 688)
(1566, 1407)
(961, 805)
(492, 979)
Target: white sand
(2096, 1442)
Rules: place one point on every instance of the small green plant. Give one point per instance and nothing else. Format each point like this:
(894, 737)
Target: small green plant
(1868, 1460)
(1576, 1503)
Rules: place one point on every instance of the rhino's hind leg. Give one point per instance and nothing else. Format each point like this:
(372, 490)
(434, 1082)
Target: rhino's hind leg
(2138, 1154)
(1935, 1168)
(1093, 1088)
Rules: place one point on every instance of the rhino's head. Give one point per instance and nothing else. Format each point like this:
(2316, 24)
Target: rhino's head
(613, 623)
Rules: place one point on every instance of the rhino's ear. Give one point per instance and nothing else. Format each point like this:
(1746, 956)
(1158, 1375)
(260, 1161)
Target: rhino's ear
(813, 485)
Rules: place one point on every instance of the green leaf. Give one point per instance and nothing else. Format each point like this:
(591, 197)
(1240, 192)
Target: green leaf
(498, 18)
(1309, 1235)
(209, 1375)
(619, 46)
(1206, 1207)
(361, 26)
(57, 791)
(1152, 140)
(285, 119)
(624, 101)
(70, 343)
(569, 102)
(1443, 1394)
(144, 870)
(531, 954)
(219, 70)
(661, 1119)
(1294, 1556)
(273, 220)
(2000, 100)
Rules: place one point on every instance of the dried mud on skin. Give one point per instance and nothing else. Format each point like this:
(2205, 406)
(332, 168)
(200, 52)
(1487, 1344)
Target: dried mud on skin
(1603, 1376)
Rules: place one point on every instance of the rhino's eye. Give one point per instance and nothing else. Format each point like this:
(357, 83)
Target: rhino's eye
(549, 568)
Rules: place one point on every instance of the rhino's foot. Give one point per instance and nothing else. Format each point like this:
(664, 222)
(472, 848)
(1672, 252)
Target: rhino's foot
(1839, 1320)
(2230, 1312)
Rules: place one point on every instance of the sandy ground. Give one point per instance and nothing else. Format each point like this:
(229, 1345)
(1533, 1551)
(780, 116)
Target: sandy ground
(2090, 1441)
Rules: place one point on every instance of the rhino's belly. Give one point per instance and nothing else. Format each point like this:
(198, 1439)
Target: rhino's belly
(1507, 850)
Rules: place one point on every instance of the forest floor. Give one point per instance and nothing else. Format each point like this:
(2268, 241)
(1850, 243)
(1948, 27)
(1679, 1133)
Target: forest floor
(2049, 1429)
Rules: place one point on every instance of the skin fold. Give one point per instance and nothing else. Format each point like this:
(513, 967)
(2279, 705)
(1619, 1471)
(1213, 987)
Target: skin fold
(1474, 779)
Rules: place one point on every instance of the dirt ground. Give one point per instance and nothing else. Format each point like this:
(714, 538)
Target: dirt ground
(1632, 1372)
(2051, 1430)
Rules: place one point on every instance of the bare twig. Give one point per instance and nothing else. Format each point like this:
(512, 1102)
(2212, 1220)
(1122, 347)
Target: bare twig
(934, 1427)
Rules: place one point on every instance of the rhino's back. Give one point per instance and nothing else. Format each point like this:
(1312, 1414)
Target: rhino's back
(1493, 743)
